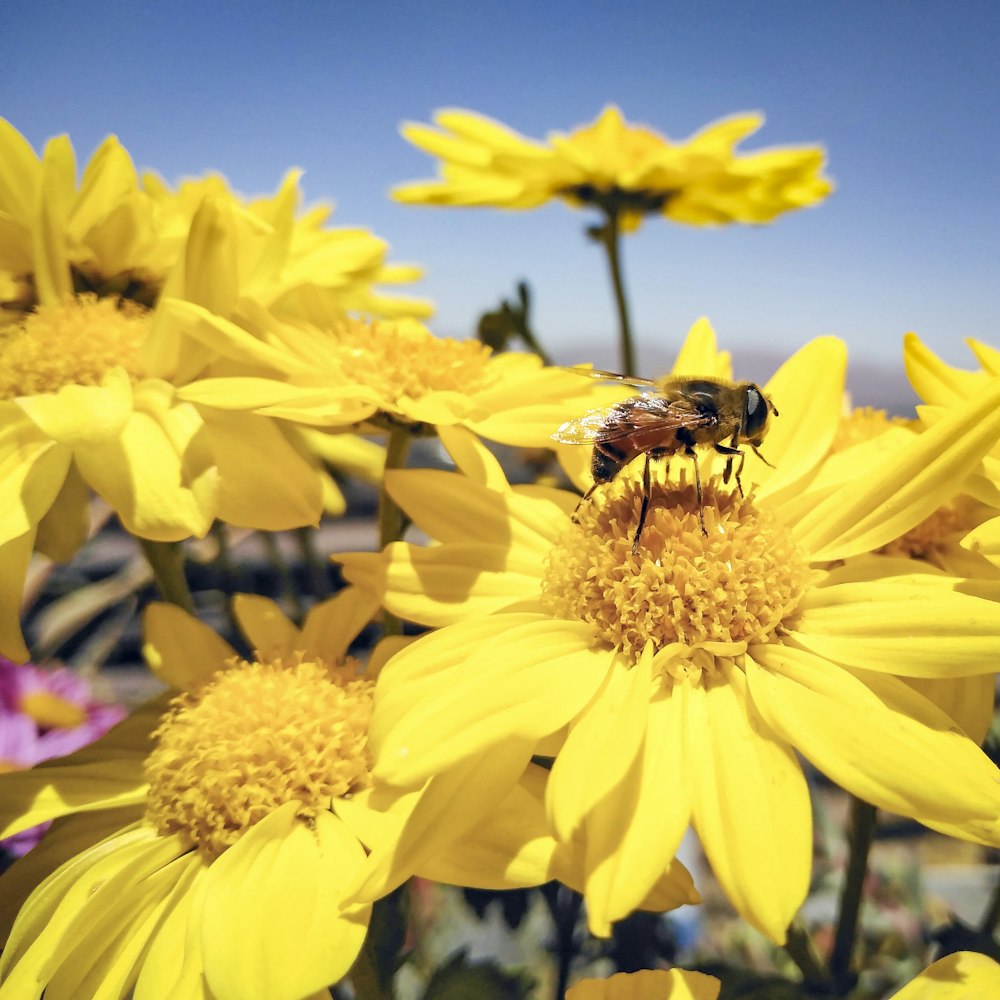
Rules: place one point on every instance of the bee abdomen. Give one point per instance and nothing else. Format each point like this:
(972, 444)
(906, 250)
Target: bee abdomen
(606, 462)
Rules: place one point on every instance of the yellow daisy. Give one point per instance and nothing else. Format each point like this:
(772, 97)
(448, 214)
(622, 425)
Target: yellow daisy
(202, 848)
(390, 373)
(938, 540)
(648, 984)
(89, 373)
(943, 387)
(676, 683)
(624, 169)
(116, 234)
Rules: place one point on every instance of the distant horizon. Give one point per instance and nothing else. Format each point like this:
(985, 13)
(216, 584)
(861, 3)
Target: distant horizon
(903, 98)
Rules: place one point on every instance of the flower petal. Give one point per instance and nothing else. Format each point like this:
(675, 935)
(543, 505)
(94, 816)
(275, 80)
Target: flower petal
(266, 627)
(272, 922)
(808, 390)
(933, 380)
(921, 625)
(15, 556)
(453, 508)
(883, 503)
(700, 354)
(447, 697)
(105, 774)
(332, 625)
(750, 803)
(648, 984)
(446, 584)
(473, 458)
(874, 736)
(68, 837)
(964, 975)
(181, 650)
(448, 806)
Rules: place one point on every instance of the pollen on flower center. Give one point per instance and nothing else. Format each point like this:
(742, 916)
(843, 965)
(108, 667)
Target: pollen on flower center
(733, 586)
(405, 359)
(75, 342)
(257, 736)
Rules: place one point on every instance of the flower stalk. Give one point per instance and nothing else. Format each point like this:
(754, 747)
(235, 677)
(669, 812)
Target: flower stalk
(860, 836)
(166, 559)
(609, 236)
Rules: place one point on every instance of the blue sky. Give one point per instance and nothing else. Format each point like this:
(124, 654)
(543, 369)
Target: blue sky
(903, 95)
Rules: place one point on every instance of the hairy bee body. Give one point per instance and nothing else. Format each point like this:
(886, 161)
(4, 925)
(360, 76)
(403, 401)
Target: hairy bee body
(678, 416)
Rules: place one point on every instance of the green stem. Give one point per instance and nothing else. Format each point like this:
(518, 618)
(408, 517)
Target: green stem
(610, 237)
(390, 517)
(859, 842)
(167, 562)
(802, 951)
(289, 591)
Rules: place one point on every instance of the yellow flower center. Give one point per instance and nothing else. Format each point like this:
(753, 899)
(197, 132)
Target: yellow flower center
(257, 736)
(75, 342)
(733, 585)
(405, 359)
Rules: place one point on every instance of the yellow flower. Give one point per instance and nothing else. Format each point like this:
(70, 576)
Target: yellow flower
(625, 169)
(649, 984)
(390, 373)
(938, 541)
(116, 235)
(89, 371)
(213, 862)
(943, 387)
(965, 975)
(287, 261)
(675, 684)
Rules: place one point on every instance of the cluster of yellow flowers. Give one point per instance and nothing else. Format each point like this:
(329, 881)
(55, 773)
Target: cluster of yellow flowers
(581, 698)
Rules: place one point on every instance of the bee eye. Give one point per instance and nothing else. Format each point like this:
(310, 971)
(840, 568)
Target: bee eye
(754, 413)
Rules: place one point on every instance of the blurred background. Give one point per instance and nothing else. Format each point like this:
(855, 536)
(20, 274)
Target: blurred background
(903, 95)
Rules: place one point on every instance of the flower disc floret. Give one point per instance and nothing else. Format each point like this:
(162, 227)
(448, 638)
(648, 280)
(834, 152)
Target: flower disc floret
(256, 737)
(400, 359)
(733, 585)
(75, 342)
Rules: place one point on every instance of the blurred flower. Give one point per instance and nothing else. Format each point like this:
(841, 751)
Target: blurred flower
(214, 861)
(676, 684)
(965, 975)
(116, 235)
(387, 373)
(648, 984)
(44, 714)
(626, 170)
(89, 375)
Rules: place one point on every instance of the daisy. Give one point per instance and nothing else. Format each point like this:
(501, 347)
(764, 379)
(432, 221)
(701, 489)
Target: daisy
(204, 846)
(393, 374)
(676, 684)
(622, 168)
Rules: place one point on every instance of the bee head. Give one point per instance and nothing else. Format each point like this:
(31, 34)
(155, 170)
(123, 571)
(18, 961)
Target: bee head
(757, 410)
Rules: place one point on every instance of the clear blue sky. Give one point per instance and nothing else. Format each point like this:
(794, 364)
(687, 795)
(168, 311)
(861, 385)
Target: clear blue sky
(905, 96)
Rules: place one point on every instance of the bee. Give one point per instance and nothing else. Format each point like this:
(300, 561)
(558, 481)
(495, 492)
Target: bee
(678, 415)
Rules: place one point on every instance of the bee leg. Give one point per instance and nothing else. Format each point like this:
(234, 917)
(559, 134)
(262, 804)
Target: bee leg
(731, 452)
(697, 488)
(586, 496)
(761, 457)
(644, 507)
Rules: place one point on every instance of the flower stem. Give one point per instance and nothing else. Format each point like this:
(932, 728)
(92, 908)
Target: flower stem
(802, 951)
(166, 559)
(992, 915)
(390, 517)
(610, 237)
(859, 842)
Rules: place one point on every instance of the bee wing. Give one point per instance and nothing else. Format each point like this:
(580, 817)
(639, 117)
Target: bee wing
(638, 413)
(603, 376)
